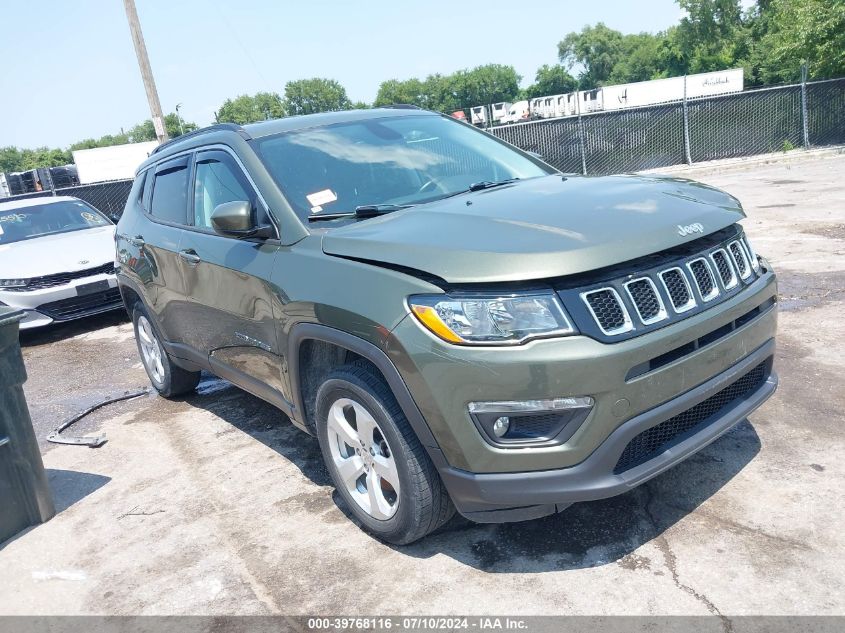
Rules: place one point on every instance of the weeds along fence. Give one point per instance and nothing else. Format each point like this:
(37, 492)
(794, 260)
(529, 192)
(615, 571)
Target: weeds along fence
(746, 123)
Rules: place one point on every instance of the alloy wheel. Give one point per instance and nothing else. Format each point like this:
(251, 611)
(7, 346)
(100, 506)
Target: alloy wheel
(151, 351)
(363, 459)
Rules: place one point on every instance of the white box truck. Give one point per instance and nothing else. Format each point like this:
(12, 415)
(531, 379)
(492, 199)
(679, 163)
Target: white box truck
(478, 115)
(500, 110)
(519, 112)
(111, 163)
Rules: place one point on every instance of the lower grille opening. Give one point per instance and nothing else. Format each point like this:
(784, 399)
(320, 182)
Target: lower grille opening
(688, 348)
(654, 441)
(74, 307)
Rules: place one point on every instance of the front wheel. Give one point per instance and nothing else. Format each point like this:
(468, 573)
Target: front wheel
(166, 376)
(378, 465)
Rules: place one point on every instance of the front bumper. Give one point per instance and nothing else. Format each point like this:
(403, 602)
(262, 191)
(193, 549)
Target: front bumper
(443, 379)
(497, 497)
(63, 303)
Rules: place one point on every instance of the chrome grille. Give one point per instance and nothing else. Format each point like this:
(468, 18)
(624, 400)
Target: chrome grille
(678, 288)
(630, 302)
(724, 268)
(60, 279)
(646, 300)
(752, 256)
(608, 310)
(739, 259)
(703, 277)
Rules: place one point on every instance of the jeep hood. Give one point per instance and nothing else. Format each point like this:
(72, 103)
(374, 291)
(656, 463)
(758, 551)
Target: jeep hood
(539, 228)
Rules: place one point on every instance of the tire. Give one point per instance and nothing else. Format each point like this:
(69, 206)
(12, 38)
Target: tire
(169, 379)
(421, 504)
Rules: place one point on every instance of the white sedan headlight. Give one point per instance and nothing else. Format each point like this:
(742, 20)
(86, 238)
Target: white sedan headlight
(13, 283)
(492, 319)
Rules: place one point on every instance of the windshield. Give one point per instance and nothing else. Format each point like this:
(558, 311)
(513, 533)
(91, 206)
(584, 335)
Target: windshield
(25, 223)
(403, 160)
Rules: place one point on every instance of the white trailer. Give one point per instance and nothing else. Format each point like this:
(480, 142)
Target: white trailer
(478, 115)
(500, 110)
(111, 163)
(671, 89)
(641, 93)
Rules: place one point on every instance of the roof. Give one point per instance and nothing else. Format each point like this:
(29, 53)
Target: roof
(33, 202)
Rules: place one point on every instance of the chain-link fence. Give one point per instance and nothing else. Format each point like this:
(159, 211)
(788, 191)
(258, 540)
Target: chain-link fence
(706, 128)
(107, 197)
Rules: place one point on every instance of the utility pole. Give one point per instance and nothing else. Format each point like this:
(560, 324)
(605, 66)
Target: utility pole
(146, 71)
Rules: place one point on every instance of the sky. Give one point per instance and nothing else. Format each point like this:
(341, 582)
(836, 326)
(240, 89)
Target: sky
(70, 70)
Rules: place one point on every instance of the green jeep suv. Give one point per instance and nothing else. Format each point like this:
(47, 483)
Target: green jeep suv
(460, 325)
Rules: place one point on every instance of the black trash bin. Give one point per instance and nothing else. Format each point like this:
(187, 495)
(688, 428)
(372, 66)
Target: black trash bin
(25, 496)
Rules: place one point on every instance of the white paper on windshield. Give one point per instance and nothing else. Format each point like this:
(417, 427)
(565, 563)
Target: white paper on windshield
(1, 228)
(319, 198)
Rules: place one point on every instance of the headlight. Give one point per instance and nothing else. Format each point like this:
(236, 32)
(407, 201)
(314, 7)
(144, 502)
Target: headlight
(12, 283)
(752, 256)
(492, 320)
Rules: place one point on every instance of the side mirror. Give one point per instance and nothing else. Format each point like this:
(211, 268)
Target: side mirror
(235, 219)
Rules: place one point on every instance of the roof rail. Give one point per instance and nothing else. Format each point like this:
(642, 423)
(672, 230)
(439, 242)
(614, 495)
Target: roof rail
(232, 127)
(402, 106)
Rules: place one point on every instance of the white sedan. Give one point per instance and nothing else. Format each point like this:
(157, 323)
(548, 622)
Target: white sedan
(56, 260)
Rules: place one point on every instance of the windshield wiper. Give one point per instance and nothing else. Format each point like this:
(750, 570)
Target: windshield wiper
(361, 211)
(369, 210)
(488, 184)
(479, 186)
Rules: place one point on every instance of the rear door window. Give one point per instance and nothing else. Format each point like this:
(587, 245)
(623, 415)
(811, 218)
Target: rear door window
(170, 192)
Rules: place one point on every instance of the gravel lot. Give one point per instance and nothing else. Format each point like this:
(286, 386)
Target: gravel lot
(215, 504)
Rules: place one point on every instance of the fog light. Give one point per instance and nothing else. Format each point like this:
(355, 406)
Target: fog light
(501, 426)
(523, 423)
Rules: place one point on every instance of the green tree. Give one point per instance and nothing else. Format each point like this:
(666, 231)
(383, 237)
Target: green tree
(482, 85)
(610, 57)
(597, 49)
(410, 91)
(711, 36)
(307, 96)
(644, 56)
(11, 159)
(791, 32)
(15, 159)
(248, 109)
(145, 131)
(550, 80)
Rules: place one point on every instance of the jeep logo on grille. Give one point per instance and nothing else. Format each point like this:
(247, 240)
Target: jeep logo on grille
(690, 228)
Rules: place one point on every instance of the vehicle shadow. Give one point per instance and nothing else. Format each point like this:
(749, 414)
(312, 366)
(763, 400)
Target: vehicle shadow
(597, 533)
(584, 535)
(59, 331)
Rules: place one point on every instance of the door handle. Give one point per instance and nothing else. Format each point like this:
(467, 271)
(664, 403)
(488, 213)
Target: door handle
(136, 241)
(4, 441)
(190, 256)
